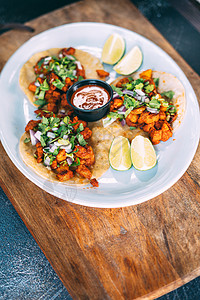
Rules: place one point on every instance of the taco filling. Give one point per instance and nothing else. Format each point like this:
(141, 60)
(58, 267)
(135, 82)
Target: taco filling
(61, 145)
(47, 75)
(53, 76)
(138, 104)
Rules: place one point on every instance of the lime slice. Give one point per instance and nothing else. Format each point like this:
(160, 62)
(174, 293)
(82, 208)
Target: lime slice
(113, 49)
(119, 155)
(130, 62)
(143, 155)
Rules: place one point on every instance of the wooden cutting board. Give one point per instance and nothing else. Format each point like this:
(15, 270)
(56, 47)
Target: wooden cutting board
(143, 251)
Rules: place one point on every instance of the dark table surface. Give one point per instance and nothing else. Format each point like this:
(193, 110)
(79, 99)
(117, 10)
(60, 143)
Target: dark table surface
(25, 272)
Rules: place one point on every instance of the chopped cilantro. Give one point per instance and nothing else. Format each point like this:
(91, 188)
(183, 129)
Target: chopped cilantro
(81, 127)
(154, 103)
(40, 62)
(70, 75)
(77, 163)
(128, 111)
(139, 86)
(45, 121)
(149, 88)
(27, 140)
(117, 90)
(43, 140)
(66, 120)
(113, 114)
(130, 102)
(44, 86)
(146, 83)
(56, 151)
(132, 127)
(57, 83)
(168, 94)
(37, 91)
(41, 95)
(171, 109)
(54, 122)
(156, 81)
(130, 86)
(81, 140)
(138, 81)
(40, 102)
(62, 128)
(80, 78)
(72, 141)
(43, 128)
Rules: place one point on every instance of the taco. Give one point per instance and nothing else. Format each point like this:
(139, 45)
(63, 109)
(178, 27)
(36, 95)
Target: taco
(47, 75)
(61, 149)
(153, 101)
(65, 149)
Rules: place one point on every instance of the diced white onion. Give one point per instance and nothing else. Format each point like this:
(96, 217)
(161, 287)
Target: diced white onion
(74, 72)
(53, 148)
(138, 97)
(69, 161)
(62, 123)
(140, 92)
(47, 161)
(70, 57)
(152, 110)
(37, 84)
(65, 137)
(121, 112)
(79, 65)
(51, 135)
(55, 128)
(38, 135)
(46, 60)
(67, 148)
(57, 144)
(33, 138)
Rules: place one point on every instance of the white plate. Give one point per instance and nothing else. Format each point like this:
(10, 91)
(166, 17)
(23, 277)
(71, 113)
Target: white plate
(116, 189)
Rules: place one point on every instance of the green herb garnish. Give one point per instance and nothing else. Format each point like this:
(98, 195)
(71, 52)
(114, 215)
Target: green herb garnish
(81, 140)
(27, 140)
(168, 94)
(154, 103)
(132, 127)
(40, 102)
(117, 90)
(149, 88)
(57, 83)
(156, 81)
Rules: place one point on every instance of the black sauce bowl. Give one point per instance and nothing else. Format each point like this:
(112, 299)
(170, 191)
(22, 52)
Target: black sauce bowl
(90, 115)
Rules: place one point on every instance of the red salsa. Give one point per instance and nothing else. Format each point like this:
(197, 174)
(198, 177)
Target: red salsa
(90, 97)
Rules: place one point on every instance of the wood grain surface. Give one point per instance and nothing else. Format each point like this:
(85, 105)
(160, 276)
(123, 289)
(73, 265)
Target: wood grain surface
(138, 252)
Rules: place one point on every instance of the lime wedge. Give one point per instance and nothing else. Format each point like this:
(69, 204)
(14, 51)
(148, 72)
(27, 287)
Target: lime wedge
(113, 49)
(119, 155)
(130, 62)
(143, 155)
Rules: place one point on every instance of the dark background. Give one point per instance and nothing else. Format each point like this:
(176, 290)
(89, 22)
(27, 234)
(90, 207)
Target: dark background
(25, 273)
